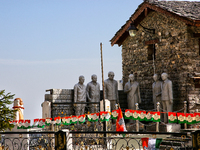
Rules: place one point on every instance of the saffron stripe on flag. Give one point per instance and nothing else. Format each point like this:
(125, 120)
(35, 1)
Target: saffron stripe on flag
(120, 124)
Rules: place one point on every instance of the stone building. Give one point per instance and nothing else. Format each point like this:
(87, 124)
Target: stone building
(59, 102)
(173, 48)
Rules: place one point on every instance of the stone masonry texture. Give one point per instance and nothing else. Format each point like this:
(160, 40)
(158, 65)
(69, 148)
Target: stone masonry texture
(177, 53)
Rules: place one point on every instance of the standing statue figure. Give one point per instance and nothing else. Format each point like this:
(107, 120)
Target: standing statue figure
(167, 95)
(157, 89)
(133, 92)
(18, 105)
(93, 94)
(80, 96)
(111, 90)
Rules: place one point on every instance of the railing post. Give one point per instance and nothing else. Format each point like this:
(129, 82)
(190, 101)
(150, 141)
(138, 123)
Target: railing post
(157, 123)
(116, 106)
(185, 110)
(137, 121)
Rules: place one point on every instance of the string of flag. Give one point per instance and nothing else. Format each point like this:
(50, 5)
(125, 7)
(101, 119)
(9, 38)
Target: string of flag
(141, 115)
(173, 117)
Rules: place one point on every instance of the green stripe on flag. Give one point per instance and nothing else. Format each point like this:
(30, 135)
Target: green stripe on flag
(158, 142)
(156, 116)
(172, 117)
(181, 118)
(115, 114)
(149, 116)
(128, 114)
(135, 115)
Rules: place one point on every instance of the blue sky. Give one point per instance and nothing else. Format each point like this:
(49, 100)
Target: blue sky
(47, 44)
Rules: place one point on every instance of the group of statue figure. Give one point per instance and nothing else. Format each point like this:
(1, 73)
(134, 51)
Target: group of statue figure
(92, 93)
(162, 93)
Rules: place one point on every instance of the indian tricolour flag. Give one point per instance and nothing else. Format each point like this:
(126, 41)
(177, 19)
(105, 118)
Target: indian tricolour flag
(120, 124)
(41, 123)
(115, 114)
(74, 119)
(24, 124)
(172, 117)
(128, 114)
(48, 121)
(66, 120)
(197, 117)
(27, 124)
(190, 118)
(142, 115)
(94, 117)
(156, 117)
(81, 119)
(181, 118)
(35, 121)
(57, 120)
(12, 123)
(15, 122)
(151, 143)
(135, 115)
(20, 124)
(104, 116)
(149, 116)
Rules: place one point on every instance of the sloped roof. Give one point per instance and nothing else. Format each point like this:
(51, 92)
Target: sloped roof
(186, 11)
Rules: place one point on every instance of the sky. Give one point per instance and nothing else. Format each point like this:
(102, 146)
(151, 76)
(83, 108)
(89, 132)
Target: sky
(48, 44)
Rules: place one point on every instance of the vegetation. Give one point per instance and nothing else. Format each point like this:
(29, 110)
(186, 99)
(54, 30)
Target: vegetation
(6, 114)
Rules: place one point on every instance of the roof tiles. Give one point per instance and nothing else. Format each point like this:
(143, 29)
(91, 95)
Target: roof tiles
(188, 9)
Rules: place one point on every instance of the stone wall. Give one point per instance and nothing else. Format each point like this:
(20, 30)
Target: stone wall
(60, 97)
(177, 53)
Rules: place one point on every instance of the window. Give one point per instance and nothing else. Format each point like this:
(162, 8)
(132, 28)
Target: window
(151, 52)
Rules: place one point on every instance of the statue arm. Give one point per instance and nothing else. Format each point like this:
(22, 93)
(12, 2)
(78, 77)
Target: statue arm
(88, 92)
(139, 94)
(117, 92)
(99, 91)
(159, 94)
(154, 94)
(170, 92)
(75, 93)
(126, 88)
(105, 88)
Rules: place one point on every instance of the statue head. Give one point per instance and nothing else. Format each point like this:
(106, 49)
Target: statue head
(131, 77)
(155, 77)
(18, 102)
(94, 78)
(111, 75)
(81, 79)
(164, 76)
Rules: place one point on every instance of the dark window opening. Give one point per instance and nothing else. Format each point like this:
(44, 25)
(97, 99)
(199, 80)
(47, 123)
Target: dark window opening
(151, 52)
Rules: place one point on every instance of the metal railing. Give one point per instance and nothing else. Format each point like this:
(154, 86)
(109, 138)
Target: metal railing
(92, 140)
(27, 140)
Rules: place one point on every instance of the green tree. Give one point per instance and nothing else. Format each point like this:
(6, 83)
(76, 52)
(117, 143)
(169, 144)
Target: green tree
(6, 114)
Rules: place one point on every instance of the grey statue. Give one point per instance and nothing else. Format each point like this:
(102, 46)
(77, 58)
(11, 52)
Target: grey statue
(157, 89)
(167, 95)
(133, 92)
(80, 96)
(111, 90)
(93, 93)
